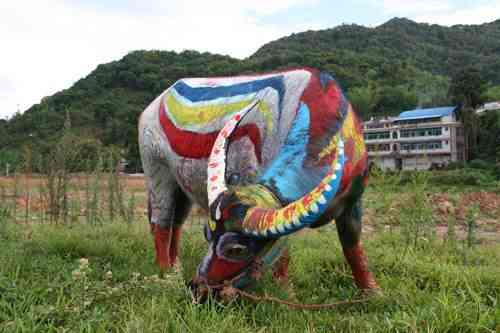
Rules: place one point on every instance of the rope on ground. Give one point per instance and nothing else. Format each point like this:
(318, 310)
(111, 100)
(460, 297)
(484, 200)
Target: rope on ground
(230, 292)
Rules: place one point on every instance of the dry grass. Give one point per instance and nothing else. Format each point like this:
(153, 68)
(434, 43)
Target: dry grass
(452, 204)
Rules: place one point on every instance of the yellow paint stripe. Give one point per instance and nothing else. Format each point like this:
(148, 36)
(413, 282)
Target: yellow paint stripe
(268, 116)
(185, 115)
(350, 132)
(198, 115)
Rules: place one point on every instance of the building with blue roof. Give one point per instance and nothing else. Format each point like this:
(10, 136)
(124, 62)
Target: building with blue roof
(416, 139)
(431, 113)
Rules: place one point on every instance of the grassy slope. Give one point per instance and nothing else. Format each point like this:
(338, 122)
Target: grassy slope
(429, 288)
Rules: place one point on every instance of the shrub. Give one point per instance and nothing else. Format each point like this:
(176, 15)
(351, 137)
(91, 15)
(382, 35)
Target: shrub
(464, 176)
(480, 164)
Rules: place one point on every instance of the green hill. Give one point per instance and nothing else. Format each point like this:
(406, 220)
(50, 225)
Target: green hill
(433, 48)
(395, 66)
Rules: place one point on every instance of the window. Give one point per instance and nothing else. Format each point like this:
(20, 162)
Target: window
(375, 125)
(408, 133)
(381, 147)
(377, 135)
(422, 146)
(418, 121)
(394, 135)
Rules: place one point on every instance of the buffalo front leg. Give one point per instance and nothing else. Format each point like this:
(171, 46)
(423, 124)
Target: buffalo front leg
(280, 269)
(349, 230)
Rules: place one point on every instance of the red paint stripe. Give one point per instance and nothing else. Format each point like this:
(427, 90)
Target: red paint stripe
(199, 145)
(221, 269)
(162, 239)
(323, 104)
(356, 258)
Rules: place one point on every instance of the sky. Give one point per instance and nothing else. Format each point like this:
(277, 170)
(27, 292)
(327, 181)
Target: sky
(48, 45)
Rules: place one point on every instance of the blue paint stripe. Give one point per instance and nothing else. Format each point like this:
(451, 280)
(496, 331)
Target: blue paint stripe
(335, 184)
(286, 174)
(310, 219)
(325, 78)
(198, 94)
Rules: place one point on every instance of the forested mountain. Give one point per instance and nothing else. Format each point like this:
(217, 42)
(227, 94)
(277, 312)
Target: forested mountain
(396, 66)
(433, 48)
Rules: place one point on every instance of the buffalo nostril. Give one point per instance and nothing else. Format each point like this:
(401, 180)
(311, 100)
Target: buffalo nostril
(199, 291)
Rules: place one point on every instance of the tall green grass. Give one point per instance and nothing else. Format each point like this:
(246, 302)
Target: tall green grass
(45, 288)
(47, 284)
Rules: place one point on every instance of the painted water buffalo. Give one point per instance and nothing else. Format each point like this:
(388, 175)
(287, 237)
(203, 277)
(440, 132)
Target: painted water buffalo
(266, 155)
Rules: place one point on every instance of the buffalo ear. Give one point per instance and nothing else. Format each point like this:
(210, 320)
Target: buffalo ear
(214, 208)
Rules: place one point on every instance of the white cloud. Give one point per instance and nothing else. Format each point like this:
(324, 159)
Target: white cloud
(408, 8)
(47, 45)
(480, 13)
(443, 12)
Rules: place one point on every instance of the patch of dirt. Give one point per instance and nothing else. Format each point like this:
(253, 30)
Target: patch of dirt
(445, 205)
(487, 202)
(447, 208)
(32, 191)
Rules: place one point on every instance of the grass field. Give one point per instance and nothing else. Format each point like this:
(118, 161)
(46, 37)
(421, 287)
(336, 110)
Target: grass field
(438, 266)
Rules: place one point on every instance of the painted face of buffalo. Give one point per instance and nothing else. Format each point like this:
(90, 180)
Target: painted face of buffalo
(233, 257)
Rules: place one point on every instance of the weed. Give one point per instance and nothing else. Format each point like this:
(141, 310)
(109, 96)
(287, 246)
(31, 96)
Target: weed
(104, 279)
(92, 269)
(416, 213)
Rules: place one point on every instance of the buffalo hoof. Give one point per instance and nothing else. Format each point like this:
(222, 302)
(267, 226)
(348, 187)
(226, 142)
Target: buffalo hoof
(372, 292)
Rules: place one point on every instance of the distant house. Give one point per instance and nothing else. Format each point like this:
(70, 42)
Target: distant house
(416, 140)
(491, 106)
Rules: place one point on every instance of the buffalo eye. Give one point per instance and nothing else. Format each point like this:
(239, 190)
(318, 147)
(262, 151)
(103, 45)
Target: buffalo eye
(233, 179)
(236, 252)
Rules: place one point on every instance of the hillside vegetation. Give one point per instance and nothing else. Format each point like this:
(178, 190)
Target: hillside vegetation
(396, 66)
(432, 48)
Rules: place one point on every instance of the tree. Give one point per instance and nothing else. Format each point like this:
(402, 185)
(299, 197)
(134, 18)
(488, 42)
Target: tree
(363, 99)
(394, 99)
(489, 136)
(467, 90)
(492, 94)
(432, 90)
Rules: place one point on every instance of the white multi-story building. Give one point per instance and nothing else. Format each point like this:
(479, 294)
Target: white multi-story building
(417, 139)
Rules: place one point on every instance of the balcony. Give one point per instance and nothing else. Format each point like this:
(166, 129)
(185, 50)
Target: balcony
(374, 141)
(380, 153)
(444, 136)
(387, 128)
(422, 152)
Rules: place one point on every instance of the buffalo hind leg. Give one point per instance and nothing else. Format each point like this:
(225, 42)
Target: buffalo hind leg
(349, 230)
(166, 226)
(168, 205)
